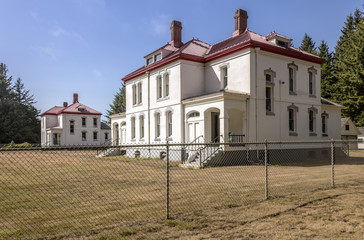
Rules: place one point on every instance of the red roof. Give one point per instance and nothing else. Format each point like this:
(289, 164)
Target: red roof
(75, 108)
(198, 51)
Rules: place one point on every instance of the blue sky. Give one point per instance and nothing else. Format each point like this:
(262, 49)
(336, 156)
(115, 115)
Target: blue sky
(87, 46)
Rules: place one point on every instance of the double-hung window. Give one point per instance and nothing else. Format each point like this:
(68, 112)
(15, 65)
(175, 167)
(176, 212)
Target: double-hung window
(157, 125)
(224, 76)
(292, 68)
(133, 128)
(169, 124)
(141, 127)
(292, 119)
(312, 82)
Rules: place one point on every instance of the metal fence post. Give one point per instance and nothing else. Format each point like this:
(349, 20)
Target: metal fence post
(266, 167)
(167, 181)
(332, 163)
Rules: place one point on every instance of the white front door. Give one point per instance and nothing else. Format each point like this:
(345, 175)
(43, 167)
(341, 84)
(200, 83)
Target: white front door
(191, 132)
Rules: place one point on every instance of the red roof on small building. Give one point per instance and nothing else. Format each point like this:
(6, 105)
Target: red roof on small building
(75, 108)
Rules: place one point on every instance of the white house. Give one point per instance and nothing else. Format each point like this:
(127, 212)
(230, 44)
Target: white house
(248, 87)
(74, 124)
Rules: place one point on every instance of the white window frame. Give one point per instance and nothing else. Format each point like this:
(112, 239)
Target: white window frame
(157, 118)
(132, 120)
(324, 128)
(140, 92)
(82, 137)
(84, 123)
(292, 109)
(134, 92)
(169, 124)
(312, 110)
(159, 87)
(166, 85)
(269, 110)
(224, 76)
(294, 68)
(141, 127)
(72, 124)
(312, 81)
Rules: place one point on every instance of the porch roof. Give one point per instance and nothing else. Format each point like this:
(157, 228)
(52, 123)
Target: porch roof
(223, 94)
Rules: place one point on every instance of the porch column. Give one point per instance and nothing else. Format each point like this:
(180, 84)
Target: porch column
(224, 128)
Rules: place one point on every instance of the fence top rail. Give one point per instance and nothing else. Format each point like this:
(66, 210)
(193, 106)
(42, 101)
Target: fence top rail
(183, 145)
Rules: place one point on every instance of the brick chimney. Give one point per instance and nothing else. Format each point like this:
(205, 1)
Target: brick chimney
(241, 21)
(65, 104)
(75, 98)
(176, 34)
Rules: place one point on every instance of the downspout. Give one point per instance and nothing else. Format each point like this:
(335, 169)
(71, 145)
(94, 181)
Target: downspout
(148, 76)
(257, 49)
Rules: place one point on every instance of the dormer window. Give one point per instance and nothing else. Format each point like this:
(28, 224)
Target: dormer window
(150, 60)
(81, 108)
(281, 43)
(157, 57)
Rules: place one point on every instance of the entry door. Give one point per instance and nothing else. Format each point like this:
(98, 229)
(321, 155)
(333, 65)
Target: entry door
(215, 127)
(123, 135)
(191, 132)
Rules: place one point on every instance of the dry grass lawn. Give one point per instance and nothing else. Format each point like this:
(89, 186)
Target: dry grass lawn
(73, 194)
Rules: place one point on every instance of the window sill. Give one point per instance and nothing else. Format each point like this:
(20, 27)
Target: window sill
(133, 140)
(169, 139)
(162, 99)
(269, 113)
(325, 135)
(312, 96)
(292, 93)
(293, 134)
(137, 105)
(312, 134)
(157, 139)
(141, 140)
(269, 83)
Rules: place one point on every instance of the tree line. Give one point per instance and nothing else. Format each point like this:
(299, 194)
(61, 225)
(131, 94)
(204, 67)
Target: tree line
(19, 120)
(342, 76)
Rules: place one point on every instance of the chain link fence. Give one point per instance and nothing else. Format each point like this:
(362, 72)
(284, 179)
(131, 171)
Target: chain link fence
(73, 191)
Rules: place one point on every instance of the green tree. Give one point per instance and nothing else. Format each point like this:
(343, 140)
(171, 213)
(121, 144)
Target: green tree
(349, 69)
(18, 117)
(327, 75)
(119, 103)
(308, 44)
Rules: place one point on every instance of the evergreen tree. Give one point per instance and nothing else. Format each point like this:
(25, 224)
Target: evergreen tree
(349, 69)
(327, 76)
(18, 117)
(308, 44)
(119, 103)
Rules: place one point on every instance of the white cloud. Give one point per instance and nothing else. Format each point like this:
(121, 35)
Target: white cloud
(160, 25)
(34, 15)
(48, 51)
(58, 31)
(97, 73)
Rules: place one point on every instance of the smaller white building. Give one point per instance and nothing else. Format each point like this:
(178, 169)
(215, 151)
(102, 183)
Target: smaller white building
(75, 124)
(349, 132)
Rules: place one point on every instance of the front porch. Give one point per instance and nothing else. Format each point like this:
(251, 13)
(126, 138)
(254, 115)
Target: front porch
(219, 117)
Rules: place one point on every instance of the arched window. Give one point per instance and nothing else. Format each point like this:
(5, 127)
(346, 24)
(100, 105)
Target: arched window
(194, 114)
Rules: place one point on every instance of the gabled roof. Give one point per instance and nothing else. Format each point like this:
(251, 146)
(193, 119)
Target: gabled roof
(331, 103)
(75, 108)
(193, 50)
(198, 51)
